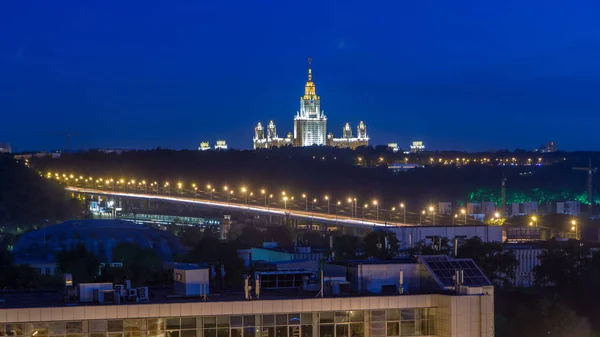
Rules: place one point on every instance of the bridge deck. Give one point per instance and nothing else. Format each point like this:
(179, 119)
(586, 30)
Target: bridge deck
(333, 219)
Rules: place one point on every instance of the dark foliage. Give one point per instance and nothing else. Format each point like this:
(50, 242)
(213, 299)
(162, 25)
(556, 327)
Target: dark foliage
(26, 199)
(319, 171)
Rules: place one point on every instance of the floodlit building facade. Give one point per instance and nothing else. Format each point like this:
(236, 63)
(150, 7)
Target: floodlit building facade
(204, 146)
(270, 140)
(568, 207)
(444, 298)
(348, 141)
(221, 145)
(310, 126)
(417, 146)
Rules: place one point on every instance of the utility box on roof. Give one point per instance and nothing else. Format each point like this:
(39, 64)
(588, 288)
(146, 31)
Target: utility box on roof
(190, 279)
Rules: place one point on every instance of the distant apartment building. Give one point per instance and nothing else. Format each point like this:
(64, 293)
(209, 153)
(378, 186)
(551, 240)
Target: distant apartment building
(444, 208)
(417, 146)
(204, 146)
(568, 207)
(528, 256)
(221, 145)
(393, 147)
(487, 208)
(525, 208)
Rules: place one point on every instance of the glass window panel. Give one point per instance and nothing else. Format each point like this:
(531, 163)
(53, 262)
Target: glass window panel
(326, 317)
(357, 330)
(77, 327)
(236, 321)
(188, 322)
(407, 328)
(173, 323)
(59, 328)
(393, 329)
(76, 335)
(294, 319)
(224, 332)
(156, 324)
(281, 319)
(250, 332)
(14, 329)
(115, 334)
(156, 333)
(2, 326)
(132, 325)
(377, 315)
(392, 315)
(326, 330)
(234, 333)
(306, 330)
(209, 332)
(294, 331)
(268, 320)
(281, 331)
(341, 316)
(357, 316)
(133, 334)
(341, 330)
(249, 320)
(98, 326)
(268, 332)
(98, 334)
(306, 318)
(39, 329)
(210, 322)
(113, 326)
(188, 333)
(170, 333)
(408, 314)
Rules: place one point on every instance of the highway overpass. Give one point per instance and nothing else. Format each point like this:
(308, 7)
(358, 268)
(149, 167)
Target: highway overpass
(317, 217)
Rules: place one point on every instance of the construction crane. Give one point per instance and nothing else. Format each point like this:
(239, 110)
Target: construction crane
(590, 192)
(67, 134)
(503, 196)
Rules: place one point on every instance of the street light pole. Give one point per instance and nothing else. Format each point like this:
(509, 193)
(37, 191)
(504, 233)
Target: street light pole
(327, 198)
(376, 209)
(404, 210)
(464, 212)
(305, 202)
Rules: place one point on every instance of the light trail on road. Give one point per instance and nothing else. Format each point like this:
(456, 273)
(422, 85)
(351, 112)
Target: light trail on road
(318, 217)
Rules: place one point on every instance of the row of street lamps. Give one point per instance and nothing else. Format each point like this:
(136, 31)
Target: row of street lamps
(210, 190)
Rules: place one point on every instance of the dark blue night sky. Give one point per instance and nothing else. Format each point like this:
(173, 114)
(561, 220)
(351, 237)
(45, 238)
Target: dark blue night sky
(470, 75)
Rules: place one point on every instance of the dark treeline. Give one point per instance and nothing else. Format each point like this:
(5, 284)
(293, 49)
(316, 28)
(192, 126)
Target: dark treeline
(27, 200)
(320, 171)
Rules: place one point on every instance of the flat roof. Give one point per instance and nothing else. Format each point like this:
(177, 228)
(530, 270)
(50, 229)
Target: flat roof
(50, 299)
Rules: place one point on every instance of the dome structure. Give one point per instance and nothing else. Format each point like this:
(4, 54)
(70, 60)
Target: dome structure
(98, 236)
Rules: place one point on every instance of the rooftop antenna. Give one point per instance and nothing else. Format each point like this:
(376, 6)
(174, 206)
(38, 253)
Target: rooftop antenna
(310, 69)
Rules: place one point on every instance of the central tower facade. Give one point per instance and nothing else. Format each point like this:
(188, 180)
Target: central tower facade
(310, 124)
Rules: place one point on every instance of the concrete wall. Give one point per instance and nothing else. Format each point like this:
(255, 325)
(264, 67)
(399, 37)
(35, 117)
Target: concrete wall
(413, 234)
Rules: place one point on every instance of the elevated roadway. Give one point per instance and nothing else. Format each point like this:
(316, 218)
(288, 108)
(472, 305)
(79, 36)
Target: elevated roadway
(321, 218)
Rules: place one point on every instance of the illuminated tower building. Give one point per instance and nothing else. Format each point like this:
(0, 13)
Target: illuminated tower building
(271, 130)
(361, 131)
(347, 131)
(259, 140)
(310, 124)
(271, 140)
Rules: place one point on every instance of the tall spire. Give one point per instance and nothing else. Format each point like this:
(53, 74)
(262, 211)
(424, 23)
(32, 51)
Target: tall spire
(310, 92)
